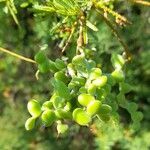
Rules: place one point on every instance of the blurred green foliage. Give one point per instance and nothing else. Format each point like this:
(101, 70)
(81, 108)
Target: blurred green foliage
(18, 83)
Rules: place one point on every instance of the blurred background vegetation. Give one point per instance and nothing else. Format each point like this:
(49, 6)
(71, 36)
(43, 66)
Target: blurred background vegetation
(18, 83)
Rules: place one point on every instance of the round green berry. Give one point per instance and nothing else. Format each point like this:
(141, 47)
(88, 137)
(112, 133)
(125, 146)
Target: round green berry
(84, 99)
(81, 117)
(93, 107)
(30, 123)
(48, 117)
(34, 108)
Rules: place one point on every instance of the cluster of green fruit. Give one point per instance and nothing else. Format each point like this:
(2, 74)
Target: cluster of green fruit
(80, 90)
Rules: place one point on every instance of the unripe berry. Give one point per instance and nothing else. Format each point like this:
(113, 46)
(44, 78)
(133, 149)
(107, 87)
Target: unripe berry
(30, 123)
(118, 75)
(48, 117)
(47, 105)
(34, 108)
(85, 99)
(100, 81)
(81, 117)
(78, 59)
(93, 107)
(95, 73)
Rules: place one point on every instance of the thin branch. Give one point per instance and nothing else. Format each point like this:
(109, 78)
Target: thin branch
(12, 11)
(115, 32)
(17, 55)
(37, 74)
(69, 38)
(146, 3)
(110, 11)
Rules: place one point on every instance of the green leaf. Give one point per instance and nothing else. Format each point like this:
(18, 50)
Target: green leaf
(60, 75)
(60, 64)
(91, 26)
(40, 57)
(132, 107)
(137, 116)
(122, 100)
(61, 89)
(125, 87)
(44, 67)
(104, 117)
(24, 4)
(13, 10)
(65, 7)
(117, 61)
(44, 8)
(105, 109)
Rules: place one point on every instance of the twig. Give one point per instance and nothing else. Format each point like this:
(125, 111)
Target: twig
(12, 12)
(17, 55)
(115, 14)
(115, 32)
(69, 38)
(142, 2)
(37, 74)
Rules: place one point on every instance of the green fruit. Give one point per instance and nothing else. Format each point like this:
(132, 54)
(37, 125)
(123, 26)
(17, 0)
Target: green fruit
(100, 81)
(62, 128)
(91, 89)
(93, 107)
(105, 109)
(81, 117)
(95, 73)
(47, 105)
(85, 99)
(118, 75)
(60, 64)
(34, 108)
(40, 57)
(63, 114)
(48, 117)
(78, 59)
(30, 123)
